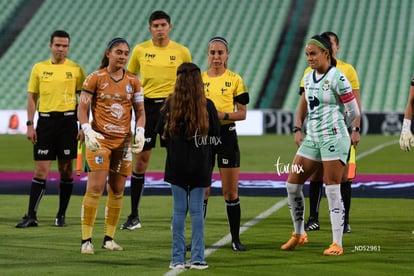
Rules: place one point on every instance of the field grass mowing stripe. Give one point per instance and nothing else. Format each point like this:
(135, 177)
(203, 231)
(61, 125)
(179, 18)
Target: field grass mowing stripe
(375, 149)
(227, 239)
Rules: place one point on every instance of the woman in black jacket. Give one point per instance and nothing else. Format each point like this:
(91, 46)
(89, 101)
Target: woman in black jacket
(190, 126)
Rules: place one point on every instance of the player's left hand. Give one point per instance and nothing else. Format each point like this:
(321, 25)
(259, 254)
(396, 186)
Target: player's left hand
(139, 140)
(406, 137)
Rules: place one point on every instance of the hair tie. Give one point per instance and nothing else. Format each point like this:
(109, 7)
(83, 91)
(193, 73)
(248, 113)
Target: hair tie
(220, 39)
(318, 43)
(116, 41)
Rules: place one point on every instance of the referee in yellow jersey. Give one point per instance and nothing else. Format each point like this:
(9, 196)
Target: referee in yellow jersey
(52, 90)
(156, 61)
(229, 93)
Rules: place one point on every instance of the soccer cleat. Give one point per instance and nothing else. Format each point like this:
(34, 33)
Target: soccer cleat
(294, 241)
(87, 248)
(112, 245)
(177, 266)
(131, 223)
(333, 250)
(312, 225)
(60, 221)
(27, 221)
(237, 246)
(199, 265)
(347, 228)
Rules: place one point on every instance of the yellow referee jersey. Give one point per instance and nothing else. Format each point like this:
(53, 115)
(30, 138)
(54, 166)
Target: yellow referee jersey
(157, 66)
(223, 89)
(56, 85)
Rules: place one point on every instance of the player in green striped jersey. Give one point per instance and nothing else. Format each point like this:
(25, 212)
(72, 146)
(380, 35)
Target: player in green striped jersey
(331, 107)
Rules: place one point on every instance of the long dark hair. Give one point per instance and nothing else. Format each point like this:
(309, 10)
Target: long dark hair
(187, 105)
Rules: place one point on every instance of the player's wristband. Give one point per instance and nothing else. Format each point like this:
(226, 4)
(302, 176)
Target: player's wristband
(406, 125)
(296, 129)
(357, 129)
(226, 116)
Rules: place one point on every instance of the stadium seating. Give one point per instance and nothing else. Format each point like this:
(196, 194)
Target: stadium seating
(252, 32)
(375, 37)
(7, 9)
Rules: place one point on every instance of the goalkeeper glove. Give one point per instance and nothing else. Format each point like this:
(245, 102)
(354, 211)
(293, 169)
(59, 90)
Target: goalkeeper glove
(406, 138)
(91, 137)
(139, 140)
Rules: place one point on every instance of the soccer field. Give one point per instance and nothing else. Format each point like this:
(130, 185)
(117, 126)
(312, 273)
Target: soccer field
(381, 242)
(375, 154)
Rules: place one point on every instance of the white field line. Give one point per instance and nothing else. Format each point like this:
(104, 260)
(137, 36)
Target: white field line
(227, 239)
(375, 149)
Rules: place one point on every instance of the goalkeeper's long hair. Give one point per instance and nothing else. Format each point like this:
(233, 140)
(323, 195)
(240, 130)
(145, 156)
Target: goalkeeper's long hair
(187, 106)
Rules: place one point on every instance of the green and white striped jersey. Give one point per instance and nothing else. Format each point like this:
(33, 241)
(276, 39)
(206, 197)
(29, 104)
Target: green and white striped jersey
(325, 108)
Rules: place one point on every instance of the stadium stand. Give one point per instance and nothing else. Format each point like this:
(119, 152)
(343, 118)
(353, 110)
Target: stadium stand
(251, 27)
(7, 9)
(375, 36)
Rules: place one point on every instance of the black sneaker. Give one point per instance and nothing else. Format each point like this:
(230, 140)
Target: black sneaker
(237, 246)
(312, 225)
(60, 221)
(27, 221)
(199, 265)
(131, 223)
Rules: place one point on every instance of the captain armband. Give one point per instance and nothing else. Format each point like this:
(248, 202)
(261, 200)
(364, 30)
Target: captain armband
(138, 97)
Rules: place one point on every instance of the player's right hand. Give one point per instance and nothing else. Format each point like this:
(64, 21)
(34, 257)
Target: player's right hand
(91, 137)
(406, 140)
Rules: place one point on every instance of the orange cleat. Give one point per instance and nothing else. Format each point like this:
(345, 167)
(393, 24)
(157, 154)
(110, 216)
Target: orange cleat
(295, 240)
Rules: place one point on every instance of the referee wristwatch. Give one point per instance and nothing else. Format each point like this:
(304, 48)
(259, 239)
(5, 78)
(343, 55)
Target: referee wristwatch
(357, 129)
(29, 123)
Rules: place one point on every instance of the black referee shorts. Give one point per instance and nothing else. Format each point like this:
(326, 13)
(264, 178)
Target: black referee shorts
(228, 153)
(152, 115)
(56, 136)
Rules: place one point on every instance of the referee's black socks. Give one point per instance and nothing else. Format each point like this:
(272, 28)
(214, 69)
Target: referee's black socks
(65, 192)
(233, 215)
(137, 189)
(37, 190)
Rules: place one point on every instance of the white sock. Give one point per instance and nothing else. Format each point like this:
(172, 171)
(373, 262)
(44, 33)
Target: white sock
(336, 211)
(296, 206)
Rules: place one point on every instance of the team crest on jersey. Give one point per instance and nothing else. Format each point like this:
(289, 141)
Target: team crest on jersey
(173, 58)
(128, 88)
(69, 75)
(227, 83)
(325, 86)
(99, 160)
